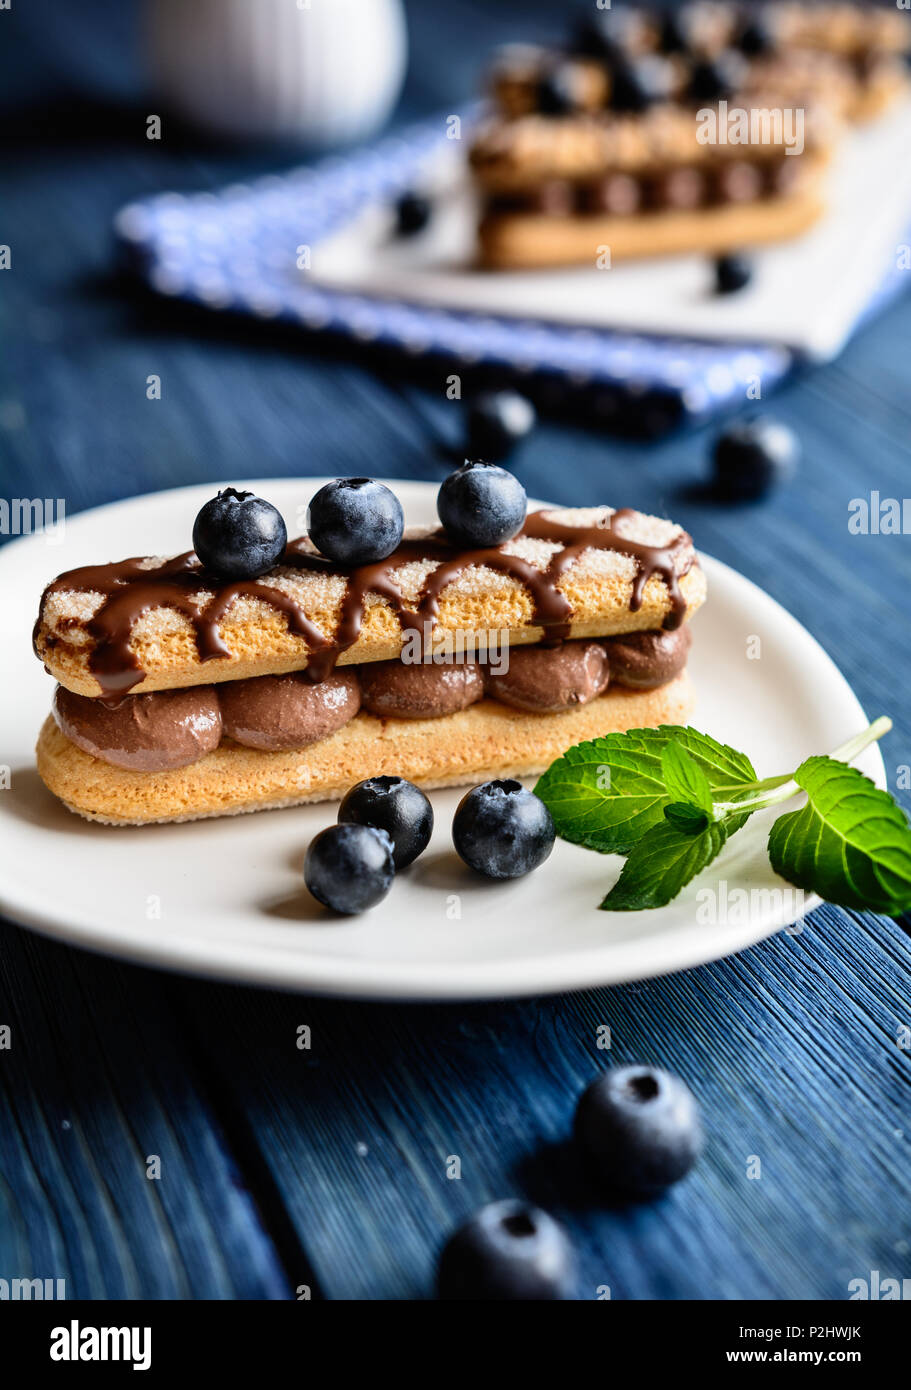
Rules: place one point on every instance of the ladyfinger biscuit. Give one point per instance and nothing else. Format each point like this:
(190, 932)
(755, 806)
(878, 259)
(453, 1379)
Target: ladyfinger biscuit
(484, 741)
(148, 625)
(519, 241)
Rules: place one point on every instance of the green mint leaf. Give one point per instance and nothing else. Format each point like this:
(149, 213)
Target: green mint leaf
(851, 843)
(689, 820)
(661, 864)
(609, 792)
(684, 779)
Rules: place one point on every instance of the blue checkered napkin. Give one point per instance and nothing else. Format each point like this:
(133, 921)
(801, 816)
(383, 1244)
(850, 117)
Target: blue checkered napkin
(235, 250)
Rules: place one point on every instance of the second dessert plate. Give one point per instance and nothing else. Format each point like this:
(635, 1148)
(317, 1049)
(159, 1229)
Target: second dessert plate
(226, 897)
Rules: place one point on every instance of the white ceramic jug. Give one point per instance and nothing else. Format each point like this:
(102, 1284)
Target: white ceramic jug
(318, 72)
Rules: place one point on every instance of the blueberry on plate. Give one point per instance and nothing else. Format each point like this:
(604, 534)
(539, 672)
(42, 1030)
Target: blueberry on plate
(355, 521)
(508, 1251)
(751, 456)
(502, 830)
(349, 867)
(239, 536)
(732, 273)
(639, 1128)
(396, 806)
(481, 505)
(497, 422)
(413, 211)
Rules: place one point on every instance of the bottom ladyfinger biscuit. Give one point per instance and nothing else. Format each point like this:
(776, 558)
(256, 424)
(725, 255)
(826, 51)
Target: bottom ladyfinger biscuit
(519, 241)
(484, 741)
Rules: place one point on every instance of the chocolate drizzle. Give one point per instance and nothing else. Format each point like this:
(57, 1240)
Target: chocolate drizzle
(130, 589)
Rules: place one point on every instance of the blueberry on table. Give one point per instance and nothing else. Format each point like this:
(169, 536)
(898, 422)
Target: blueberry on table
(396, 806)
(481, 505)
(349, 867)
(732, 273)
(497, 422)
(752, 456)
(355, 521)
(502, 830)
(413, 212)
(639, 1128)
(239, 536)
(508, 1251)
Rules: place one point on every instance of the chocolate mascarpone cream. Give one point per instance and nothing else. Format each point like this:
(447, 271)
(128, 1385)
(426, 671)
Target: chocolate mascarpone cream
(544, 680)
(173, 728)
(275, 713)
(394, 690)
(145, 733)
(645, 660)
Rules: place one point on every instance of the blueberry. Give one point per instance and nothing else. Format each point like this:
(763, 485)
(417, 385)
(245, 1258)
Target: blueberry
(413, 212)
(675, 32)
(605, 35)
(751, 456)
(502, 830)
(732, 273)
(716, 79)
(497, 422)
(639, 1128)
(756, 35)
(481, 505)
(355, 521)
(637, 85)
(557, 91)
(349, 867)
(508, 1251)
(396, 806)
(239, 536)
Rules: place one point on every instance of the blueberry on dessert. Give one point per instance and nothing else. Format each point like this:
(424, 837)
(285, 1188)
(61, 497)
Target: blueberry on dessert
(501, 830)
(756, 34)
(497, 422)
(396, 806)
(349, 868)
(239, 536)
(639, 1129)
(636, 84)
(508, 1251)
(557, 90)
(716, 79)
(752, 456)
(481, 505)
(355, 521)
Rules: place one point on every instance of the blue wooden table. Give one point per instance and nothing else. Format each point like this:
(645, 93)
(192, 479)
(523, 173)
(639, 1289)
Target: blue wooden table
(326, 1168)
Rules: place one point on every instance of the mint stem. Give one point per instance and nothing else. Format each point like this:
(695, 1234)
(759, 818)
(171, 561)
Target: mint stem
(788, 788)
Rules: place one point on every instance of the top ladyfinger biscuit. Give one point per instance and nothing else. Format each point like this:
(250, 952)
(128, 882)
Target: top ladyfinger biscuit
(152, 624)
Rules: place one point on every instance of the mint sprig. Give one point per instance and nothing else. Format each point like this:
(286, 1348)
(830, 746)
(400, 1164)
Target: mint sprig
(607, 793)
(662, 863)
(670, 798)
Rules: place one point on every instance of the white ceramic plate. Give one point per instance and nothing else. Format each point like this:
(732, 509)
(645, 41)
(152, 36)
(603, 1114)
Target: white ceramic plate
(226, 897)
